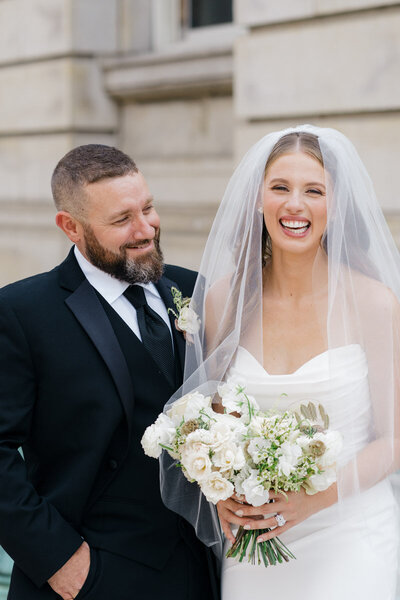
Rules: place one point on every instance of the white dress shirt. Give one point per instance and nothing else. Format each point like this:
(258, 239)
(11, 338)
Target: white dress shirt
(113, 290)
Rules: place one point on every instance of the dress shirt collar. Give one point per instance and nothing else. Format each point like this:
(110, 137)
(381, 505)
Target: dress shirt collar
(109, 287)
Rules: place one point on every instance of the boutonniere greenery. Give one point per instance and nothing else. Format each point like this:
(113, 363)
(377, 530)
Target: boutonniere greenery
(186, 319)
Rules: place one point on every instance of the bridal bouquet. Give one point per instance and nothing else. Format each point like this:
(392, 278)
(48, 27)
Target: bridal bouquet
(248, 454)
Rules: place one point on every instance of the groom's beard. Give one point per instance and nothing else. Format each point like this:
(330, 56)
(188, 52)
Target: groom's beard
(143, 269)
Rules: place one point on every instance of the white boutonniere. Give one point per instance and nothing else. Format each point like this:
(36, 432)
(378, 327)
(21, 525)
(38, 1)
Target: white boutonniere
(186, 319)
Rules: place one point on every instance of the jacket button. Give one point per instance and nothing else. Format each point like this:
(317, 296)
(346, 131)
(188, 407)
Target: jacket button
(112, 464)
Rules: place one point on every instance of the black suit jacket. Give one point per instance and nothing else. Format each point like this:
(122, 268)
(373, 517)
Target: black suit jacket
(61, 369)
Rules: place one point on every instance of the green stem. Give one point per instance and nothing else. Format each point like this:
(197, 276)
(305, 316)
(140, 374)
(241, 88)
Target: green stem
(271, 551)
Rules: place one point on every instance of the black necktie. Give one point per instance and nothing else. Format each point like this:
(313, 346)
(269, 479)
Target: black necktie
(155, 334)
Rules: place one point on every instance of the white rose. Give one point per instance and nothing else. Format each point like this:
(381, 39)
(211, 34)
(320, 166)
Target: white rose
(150, 443)
(188, 320)
(160, 432)
(229, 457)
(254, 490)
(216, 487)
(197, 442)
(188, 407)
(197, 464)
(177, 410)
(320, 481)
(221, 433)
(290, 454)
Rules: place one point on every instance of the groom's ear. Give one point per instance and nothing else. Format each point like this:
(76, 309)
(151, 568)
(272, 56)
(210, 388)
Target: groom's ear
(70, 226)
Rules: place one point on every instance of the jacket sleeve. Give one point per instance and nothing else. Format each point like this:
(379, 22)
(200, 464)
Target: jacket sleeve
(32, 531)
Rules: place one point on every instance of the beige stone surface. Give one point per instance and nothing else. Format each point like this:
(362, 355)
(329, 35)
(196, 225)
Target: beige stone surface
(184, 232)
(173, 74)
(29, 240)
(39, 28)
(262, 12)
(26, 164)
(187, 182)
(376, 138)
(135, 26)
(54, 95)
(186, 128)
(326, 66)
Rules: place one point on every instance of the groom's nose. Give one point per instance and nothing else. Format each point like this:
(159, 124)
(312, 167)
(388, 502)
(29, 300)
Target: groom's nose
(144, 229)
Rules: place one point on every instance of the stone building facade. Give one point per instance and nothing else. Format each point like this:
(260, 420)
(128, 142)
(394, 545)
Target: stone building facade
(185, 87)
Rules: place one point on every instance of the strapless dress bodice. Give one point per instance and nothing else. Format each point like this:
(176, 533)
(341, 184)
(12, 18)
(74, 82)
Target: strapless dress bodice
(337, 379)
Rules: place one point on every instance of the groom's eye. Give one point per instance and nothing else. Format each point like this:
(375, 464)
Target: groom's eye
(121, 220)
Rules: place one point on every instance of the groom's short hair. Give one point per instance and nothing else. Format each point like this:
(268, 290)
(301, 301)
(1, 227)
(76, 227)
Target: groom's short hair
(84, 165)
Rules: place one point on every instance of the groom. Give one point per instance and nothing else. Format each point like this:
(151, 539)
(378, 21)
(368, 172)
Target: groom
(88, 356)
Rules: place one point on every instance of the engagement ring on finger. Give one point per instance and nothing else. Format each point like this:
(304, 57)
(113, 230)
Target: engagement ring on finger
(280, 520)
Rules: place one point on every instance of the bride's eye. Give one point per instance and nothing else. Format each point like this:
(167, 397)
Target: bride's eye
(281, 188)
(314, 191)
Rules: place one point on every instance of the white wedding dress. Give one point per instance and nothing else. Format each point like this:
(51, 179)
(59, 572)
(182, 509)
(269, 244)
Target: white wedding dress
(346, 556)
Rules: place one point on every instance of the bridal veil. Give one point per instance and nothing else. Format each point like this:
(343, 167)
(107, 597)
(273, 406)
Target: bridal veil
(362, 307)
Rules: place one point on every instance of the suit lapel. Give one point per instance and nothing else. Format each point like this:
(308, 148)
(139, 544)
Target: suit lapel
(164, 287)
(86, 307)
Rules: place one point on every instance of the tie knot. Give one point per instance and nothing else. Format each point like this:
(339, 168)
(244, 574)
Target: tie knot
(136, 296)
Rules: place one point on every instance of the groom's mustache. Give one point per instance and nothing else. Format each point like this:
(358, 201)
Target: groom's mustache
(138, 245)
(142, 243)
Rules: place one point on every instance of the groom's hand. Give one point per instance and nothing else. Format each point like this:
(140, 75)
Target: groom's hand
(67, 581)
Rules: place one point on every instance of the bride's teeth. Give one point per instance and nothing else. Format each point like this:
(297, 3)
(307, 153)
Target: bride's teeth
(295, 224)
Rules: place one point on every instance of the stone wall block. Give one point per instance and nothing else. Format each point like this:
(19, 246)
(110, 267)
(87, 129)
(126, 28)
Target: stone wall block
(29, 250)
(179, 128)
(304, 69)
(27, 163)
(262, 12)
(95, 25)
(135, 33)
(190, 182)
(70, 94)
(26, 106)
(32, 29)
(91, 107)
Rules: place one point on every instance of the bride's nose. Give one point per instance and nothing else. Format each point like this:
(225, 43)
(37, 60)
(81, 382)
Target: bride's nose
(294, 201)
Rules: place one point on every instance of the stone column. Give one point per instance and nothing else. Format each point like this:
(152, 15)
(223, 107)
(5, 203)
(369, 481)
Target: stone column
(51, 99)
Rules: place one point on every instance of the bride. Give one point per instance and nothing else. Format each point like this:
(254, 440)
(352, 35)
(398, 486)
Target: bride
(298, 296)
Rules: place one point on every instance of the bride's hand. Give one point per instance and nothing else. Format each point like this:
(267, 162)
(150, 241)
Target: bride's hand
(236, 511)
(294, 509)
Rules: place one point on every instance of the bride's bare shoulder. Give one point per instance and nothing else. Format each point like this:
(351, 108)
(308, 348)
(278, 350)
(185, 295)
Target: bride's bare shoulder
(374, 293)
(216, 302)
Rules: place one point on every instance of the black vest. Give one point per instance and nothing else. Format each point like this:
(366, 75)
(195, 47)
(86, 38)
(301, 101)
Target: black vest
(129, 518)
